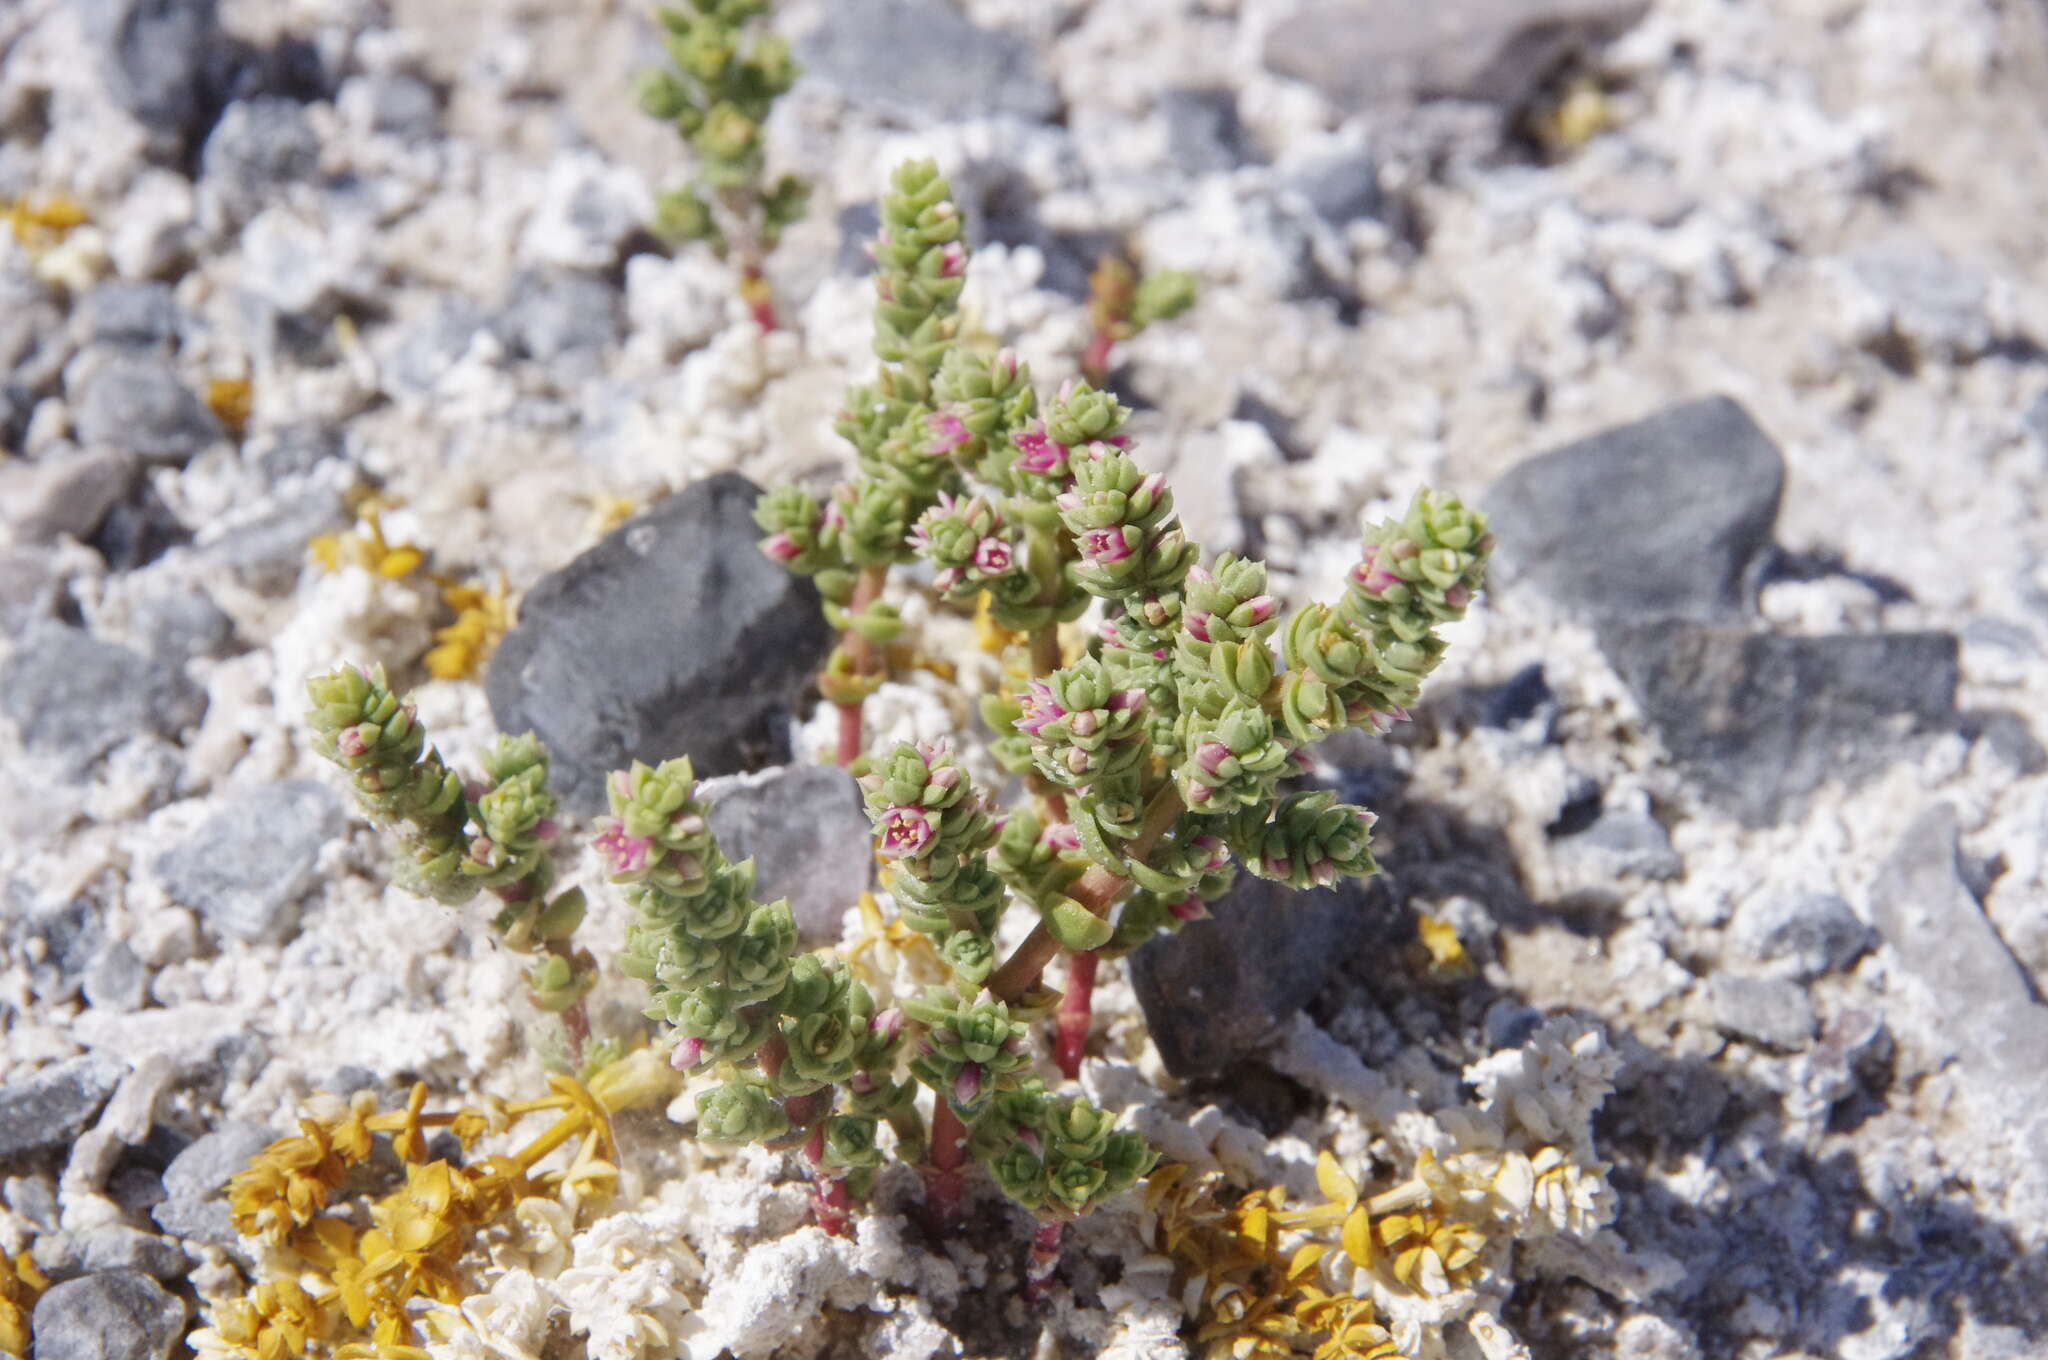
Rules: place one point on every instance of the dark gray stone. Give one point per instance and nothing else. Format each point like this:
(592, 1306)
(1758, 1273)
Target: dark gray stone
(1665, 517)
(246, 867)
(396, 105)
(135, 403)
(1523, 703)
(155, 56)
(17, 404)
(272, 544)
(297, 449)
(194, 1207)
(1621, 842)
(1758, 722)
(554, 316)
(177, 624)
(66, 1256)
(1977, 1005)
(1204, 135)
(1361, 54)
(924, 57)
(1341, 184)
(55, 1105)
(138, 529)
(859, 224)
(805, 829)
(115, 980)
(35, 343)
(1810, 934)
(74, 697)
(29, 589)
(1774, 1012)
(258, 147)
(1216, 990)
(132, 315)
(673, 636)
(122, 1315)
(69, 936)
(64, 496)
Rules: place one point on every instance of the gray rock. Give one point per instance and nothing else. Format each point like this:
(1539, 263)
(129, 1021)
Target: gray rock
(1811, 934)
(297, 449)
(859, 223)
(246, 867)
(258, 147)
(66, 1256)
(135, 403)
(115, 980)
(69, 936)
(1340, 182)
(272, 544)
(1978, 1006)
(17, 404)
(672, 636)
(139, 528)
(34, 1198)
(1523, 704)
(1775, 1012)
(73, 697)
(1915, 296)
(1758, 721)
(133, 315)
(1361, 54)
(34, 341)
(64, 497)
(154, 56)
(1624, 842)
(55, 1105)
(194, 1207)
(2034, 420)
(804, 827)
(1216, 990)
(121, 1315)
(392, 104)
(29, 589)
(428, 346)
(1204, 135)
(924, 57)
(548, 317)
(1668, 516)
(178, 624)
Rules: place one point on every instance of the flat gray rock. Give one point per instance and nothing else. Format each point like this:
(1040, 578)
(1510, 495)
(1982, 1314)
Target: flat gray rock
(923, 57)
(74, 697)
(1665, 517)
(1808, 934)
(245, 868)
(135, 403)
(194, 1206)
(54, 1105)
(154, 57)
(1774, 1012)
(121, 1315)
(673, 636)
(1216, 990)
(1360, 53)
(1758, 721)
(66, 1256)
(47, 499)
(805, 828)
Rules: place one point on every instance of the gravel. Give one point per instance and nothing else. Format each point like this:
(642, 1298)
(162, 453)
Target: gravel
(246, 869)
(120, 1315)
(73, 697)
(54, 1105)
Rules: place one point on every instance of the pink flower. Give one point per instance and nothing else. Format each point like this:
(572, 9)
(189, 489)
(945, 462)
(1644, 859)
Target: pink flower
(888, 1024)
(834, 516)
(781, 547)
(1126, 700)
(687, 1053)
(622, 782)
(686, 822)
(1262, 608)
(1187, 909)
(905, 831)
(945, 777)
(993, 556)
(947, 579)
(1084, 723)
(1200, 793)
(949, 432)
(1370, 577)
(1210, 755)
(1279, 866)
(1037, 452)
(1040, 708)
(1151, 486)
(1105, 545)
(1196, 621)
(1457, 597)
(351, 742)
(952, 260)
(624, 854)
(1003, 368)
(546, 829)
(1216, 855)
(967, 1086)
(1323, 872)
(1060, 836)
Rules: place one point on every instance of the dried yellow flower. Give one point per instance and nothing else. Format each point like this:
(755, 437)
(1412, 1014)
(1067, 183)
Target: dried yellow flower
(482, 617)
(1446, 951)
(232, 401)
(1430, 1254)
(42, 223)
(20, 1285)
(366, 547)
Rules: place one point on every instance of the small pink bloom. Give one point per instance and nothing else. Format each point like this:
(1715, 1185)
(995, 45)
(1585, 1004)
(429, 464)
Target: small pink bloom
(1003, 368)
(1078, 761)
(1301, 761)
(687, 1053)
(1159, 654)
(624, 854)
(351, 742)
(1216, 855)
(1370, 577)
(1151, 486)
(1029, 1138)
(1037, 452)
(1084, 723)
(686, 822)
(834, 516)
(945, 580)
(1126, 700)
(546, 828)
(1210, 755)
(1105, 545)
(862, 1083)
(948, 432)
(1200, 793)
(905, 831)
(1187, 909)
(1061, 836)
(622, 780)
(1196, 621)
(480, 849)
(993, 556)
(945, 777)
(1279, 866)
(1323, 872)
(952, 260)
(1262, 608)
(781, 547)
(1108, 633)
(1040, 708)
(1457, 597)
(888, 1024)
(967, 1086)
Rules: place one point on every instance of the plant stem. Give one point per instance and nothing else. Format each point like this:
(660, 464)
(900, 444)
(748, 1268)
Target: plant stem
(1043, 1260)
(1095, 890)
(1076, 1010)
(755, 293)
(1095, 362)
(943, 1177)
(831, 1205)
(866, 657)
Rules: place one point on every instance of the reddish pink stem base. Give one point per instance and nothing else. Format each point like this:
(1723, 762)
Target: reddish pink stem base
(831, 1205)
(1077, 1009)
(943, 1176)
(1044, 1259)
(1095, 362)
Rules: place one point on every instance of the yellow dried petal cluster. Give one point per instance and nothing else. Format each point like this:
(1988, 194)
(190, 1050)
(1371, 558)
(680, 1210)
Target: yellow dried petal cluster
(365, 546)
(482, 616)
(340, 1290)
(20, 1285)
(232, 401)
(43, 222)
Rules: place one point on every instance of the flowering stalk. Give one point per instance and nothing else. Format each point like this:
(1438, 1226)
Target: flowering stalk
(727, 73)
(457, 838)
(1120, 305)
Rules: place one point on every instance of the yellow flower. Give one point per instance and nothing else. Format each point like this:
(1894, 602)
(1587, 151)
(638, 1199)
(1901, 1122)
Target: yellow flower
(21, 1284)
(482, 617)
(365, 547)
(287, 1183)
(1430, 1254)
(1446, 951)
(231, 400)
(41, 225)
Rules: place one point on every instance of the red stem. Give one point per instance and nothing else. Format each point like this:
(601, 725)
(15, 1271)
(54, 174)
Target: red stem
(942, 1176)
(1076, 1009)
(1095, 362)
(1043, 1260)
(849, 733)
(760, 301)
(831, 1205)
